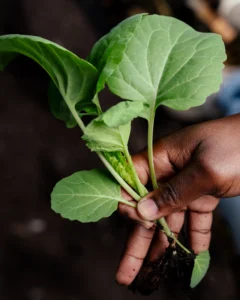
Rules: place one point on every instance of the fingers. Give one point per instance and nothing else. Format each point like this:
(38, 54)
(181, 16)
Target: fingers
(200, 222)
(200, 231)
(135, 251)
(160, 243)
(189, 184)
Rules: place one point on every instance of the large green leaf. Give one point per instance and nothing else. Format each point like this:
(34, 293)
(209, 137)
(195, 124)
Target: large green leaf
(86, 196)
(159, 60)
(100, 137)
(201, 265)
(74, 78)
(108, 51)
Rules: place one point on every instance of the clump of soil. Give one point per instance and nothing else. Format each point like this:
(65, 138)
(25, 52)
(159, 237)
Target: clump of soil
(174, 269)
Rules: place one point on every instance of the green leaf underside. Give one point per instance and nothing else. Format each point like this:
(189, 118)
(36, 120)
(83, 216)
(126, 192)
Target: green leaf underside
(100, 137)
(61, 111)
(59, 107)
(201, 265)
(121, 166)
(74, 77)
(122, 113)
(159, 60)
(86, 196)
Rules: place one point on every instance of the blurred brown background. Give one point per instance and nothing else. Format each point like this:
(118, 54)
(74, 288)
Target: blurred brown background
(42, 256)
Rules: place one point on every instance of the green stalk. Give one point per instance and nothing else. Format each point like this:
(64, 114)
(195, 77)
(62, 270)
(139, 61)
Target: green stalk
(165, 227)
(76, 117)
(160, 221)
(150, 150)
(142, 191)
(132, 204)
(181, 245)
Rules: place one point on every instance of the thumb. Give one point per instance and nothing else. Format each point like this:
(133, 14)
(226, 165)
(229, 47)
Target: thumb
(185, 187)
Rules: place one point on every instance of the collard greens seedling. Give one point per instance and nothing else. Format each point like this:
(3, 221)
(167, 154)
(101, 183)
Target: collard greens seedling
(148, 61)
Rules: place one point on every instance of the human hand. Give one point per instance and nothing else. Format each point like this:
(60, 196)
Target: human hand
(195, 167)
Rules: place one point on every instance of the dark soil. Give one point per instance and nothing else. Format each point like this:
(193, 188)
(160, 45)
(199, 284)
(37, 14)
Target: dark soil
(174, 269)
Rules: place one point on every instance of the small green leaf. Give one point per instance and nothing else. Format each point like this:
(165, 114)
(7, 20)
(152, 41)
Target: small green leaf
(101, 137)
(86, 109)
(75, 78)
(201, 265)
(95, 100)
(86, 196)
(122, 113)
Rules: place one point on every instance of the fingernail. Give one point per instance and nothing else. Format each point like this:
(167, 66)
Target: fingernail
(148, 209)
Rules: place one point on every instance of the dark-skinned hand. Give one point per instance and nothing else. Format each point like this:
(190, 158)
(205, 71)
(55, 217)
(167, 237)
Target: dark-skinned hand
(194, 167)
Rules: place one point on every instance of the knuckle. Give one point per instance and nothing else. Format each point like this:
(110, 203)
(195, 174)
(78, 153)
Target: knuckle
(169, 196)
(133, 256)
(202, 231)
(211, 171)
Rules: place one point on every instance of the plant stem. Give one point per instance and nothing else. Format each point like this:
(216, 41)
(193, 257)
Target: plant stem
(132, 204)
(170, 234)
(150, 150)
(180, 244)
(160, 221)
(142, 191)
(165, 227)
(119, 179)
(76, 117)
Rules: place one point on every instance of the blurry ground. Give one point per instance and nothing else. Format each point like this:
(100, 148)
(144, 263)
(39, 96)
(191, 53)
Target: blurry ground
(42, 256)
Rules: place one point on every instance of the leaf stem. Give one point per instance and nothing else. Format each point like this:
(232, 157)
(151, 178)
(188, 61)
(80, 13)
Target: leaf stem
(170, 234)
(129, 203)
(142, 191)
(76, 117)
(181, 245)
(165, 227)
(150, 149)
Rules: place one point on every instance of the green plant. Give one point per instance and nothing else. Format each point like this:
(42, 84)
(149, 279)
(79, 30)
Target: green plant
(146, 60)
